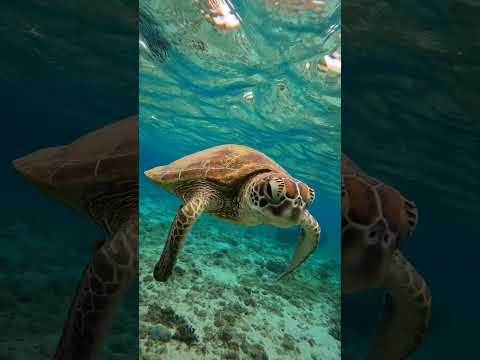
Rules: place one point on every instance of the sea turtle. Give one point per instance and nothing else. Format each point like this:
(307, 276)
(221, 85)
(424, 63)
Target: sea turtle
(376, 218)
(236, 184)
(96, 175)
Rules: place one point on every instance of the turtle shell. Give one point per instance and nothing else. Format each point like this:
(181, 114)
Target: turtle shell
(224, 164)
(104, 161)
(106, 155)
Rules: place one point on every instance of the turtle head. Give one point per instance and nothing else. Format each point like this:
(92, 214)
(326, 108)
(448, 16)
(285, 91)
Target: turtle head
(279, 198)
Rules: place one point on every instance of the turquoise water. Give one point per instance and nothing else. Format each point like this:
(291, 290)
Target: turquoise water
(192, 97)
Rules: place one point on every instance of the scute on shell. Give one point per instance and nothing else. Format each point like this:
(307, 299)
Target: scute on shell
(224, 164)
(105, 155)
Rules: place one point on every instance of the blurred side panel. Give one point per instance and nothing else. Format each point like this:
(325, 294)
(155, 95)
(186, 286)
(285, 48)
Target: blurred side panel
(411, 73)
(69, 74)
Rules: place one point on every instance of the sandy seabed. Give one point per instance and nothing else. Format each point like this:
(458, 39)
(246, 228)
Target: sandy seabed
(224, 301)
(41, 264)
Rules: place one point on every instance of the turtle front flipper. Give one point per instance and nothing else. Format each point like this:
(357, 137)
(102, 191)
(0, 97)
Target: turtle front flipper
(103, 282)
(310, 238)
(407, 312)
(187, 215)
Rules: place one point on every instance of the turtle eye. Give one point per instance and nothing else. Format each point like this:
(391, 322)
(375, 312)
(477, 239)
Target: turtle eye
(269, 190)
(275, 189)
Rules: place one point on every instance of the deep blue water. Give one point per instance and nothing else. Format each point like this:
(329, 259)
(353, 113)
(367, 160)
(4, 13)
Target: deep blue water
(66, 69)
(411, 71)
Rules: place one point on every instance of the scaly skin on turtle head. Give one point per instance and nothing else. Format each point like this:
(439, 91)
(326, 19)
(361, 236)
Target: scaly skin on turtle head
(280, 199)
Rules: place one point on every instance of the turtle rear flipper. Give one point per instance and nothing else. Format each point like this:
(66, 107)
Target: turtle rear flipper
(102, 285)
(187, 215)
(407, 312)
